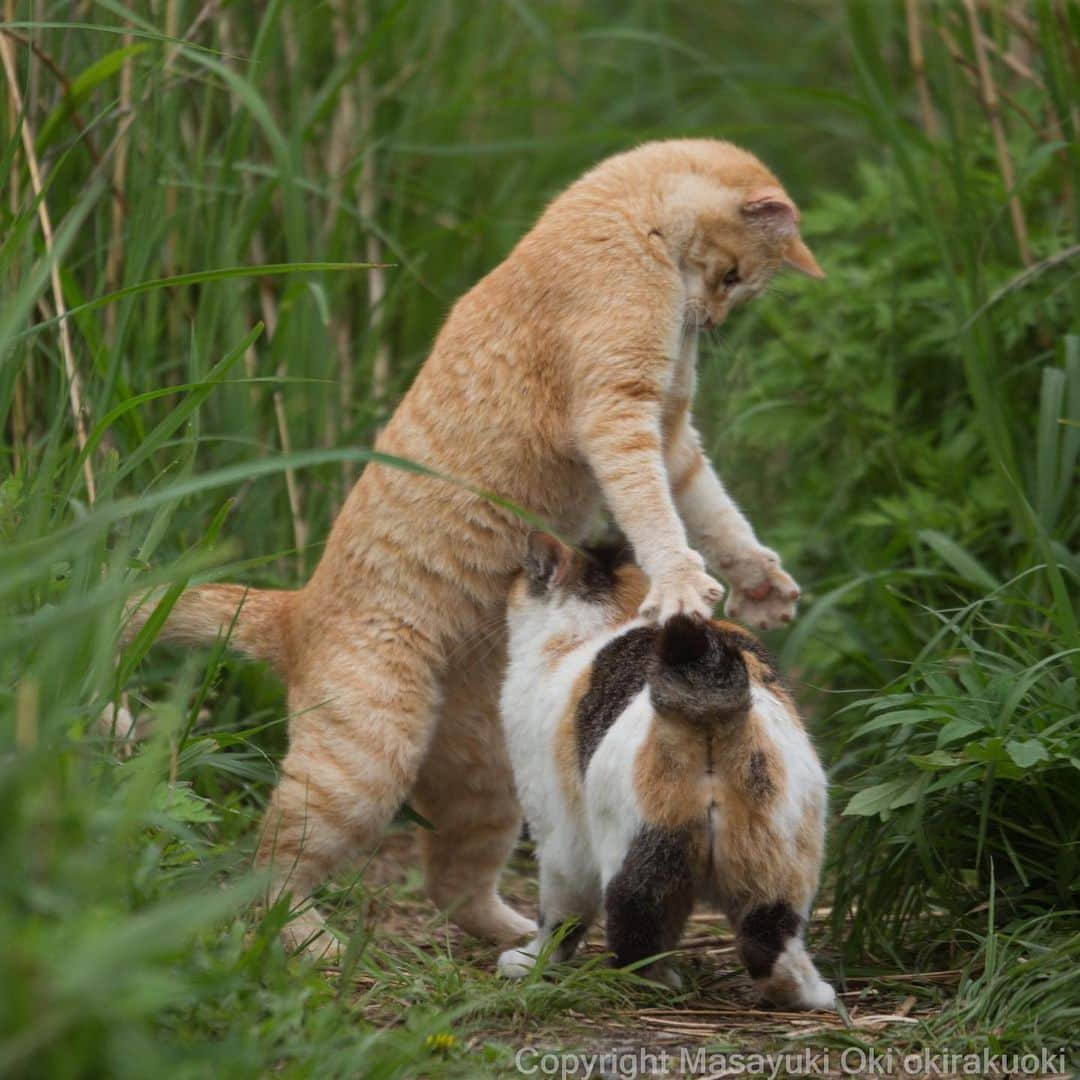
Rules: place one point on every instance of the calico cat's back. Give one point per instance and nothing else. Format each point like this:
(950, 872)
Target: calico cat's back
(658, 766)
(690, 686)
(683, 731)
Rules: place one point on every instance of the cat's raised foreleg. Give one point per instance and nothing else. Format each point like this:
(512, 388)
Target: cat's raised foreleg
(619, 431)
(769, 940)
(569, 898)
(762, 594)
(649, 900)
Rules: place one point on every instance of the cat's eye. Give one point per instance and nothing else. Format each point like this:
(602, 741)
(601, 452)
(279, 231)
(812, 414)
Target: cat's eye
(731, 277)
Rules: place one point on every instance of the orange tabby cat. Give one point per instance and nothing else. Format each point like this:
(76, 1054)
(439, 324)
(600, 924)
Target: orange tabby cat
(562, 379)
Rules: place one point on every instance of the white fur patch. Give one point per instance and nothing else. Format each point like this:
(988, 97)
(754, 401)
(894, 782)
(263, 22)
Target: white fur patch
(611, 805)
(580, 849)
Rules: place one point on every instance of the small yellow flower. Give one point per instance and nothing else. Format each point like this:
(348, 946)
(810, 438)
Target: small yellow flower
(442, 1043)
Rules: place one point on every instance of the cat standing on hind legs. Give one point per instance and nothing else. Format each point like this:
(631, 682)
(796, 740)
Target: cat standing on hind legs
(658, 766)
(562, 380)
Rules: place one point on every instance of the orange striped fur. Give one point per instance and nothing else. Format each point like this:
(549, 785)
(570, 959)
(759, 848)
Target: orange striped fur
(561, 381)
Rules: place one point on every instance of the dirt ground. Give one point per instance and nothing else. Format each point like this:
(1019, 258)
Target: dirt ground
(718, 1010)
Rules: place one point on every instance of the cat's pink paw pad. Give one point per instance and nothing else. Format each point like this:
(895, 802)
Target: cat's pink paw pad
(763, 594)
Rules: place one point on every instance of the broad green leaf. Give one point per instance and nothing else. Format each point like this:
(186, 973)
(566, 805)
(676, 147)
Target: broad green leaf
(1027, 752)
(936, 761)
(957, 729)
(882, 798)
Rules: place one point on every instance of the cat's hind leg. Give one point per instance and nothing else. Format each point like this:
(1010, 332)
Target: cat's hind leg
(569, 899)
(769, 940)
(649, 899)
(361, 720)
(466, 790)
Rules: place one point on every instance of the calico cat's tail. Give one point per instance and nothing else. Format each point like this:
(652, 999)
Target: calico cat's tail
(255, 621)
(699, 672)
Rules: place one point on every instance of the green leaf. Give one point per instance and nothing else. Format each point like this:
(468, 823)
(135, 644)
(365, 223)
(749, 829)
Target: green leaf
(1027, 752)
(936, 761)
(203, 277)
(179, 803)
(900, 716)
(965, 564)
(81, 86)
(957, 729)
(882, 797)
(409, 813)
(992, 752)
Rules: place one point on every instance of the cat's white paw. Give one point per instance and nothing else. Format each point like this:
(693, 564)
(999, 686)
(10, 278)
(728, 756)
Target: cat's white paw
(763, 594)
(819, 995)
(516, 963)
(812, 994)
(682, 588)
(664, 974)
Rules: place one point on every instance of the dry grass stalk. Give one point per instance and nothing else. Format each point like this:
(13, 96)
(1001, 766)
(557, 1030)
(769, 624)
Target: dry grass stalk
(988, 92)
(115, 257)
(970, 72)
(376, 278)
(1018, 65)
(292, 486)
(918, 66)
(342, 139)
(75, 397)
(58, 73)
(18, 405)
(270, 316)
(172, 29)
(1015, 14)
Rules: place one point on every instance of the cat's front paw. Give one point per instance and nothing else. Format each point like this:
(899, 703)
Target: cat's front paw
(763, 594)
(681, 588)
(516, 963)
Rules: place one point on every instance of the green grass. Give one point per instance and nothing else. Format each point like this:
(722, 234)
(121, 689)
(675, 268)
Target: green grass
(907, 433)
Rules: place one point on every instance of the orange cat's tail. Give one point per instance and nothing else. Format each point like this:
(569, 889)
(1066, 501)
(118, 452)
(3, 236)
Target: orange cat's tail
(698, 673)
(255, 621)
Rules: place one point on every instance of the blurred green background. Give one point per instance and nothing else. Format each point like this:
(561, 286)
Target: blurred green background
(184, 187)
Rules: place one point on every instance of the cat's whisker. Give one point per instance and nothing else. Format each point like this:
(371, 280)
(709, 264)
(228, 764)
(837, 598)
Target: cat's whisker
(488, 630)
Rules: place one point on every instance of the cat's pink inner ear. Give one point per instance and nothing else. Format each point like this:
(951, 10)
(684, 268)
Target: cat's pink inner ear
(771, 209)
(551, 557)
(562, 568)
(801, 258)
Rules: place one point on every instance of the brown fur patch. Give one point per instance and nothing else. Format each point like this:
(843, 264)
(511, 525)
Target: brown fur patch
(567, 755)
(683, 770)
(559, 646)
(670, 773)
(631, 587)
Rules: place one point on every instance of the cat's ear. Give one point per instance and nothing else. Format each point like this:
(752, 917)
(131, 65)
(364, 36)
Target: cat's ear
(771, 209)
(548, 561)
(799, 257)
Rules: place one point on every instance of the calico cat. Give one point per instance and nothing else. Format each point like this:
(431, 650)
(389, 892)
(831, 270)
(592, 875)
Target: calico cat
(561, 381)
(657, 766)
